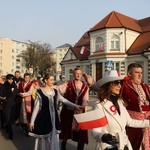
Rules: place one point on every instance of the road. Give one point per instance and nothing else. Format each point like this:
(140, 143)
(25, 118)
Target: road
(22, 142)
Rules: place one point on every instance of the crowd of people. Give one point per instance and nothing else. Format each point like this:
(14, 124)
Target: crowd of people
(125, 102)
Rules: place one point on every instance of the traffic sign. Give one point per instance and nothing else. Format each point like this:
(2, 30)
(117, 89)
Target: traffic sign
(109, 64)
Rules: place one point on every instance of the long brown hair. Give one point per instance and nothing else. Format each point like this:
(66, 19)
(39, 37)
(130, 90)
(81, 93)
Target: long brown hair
(104, 92)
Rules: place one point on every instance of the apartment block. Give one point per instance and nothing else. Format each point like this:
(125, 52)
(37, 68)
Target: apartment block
(60, 53)
(9, 56)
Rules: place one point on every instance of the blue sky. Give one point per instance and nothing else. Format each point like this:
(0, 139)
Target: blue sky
(61, 21)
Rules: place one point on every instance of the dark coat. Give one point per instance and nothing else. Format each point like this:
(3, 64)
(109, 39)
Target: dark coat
(9, 91)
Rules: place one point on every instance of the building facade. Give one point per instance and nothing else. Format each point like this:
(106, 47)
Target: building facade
(60, 53)
(113, 43)
(9, 56)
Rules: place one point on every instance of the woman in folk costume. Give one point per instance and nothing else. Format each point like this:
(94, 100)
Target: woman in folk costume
(25, 90)
(113, 135)
(77, 92)
(45, 121)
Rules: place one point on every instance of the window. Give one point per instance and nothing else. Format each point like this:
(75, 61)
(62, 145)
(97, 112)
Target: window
(71, 55)
(117, 66)
(63, 70)
(0, 64)
(1, 51)
(99, 44)
(88, 69)
(0, 57)
(13, 50)
(115, 42)
(70, 74)
(60, 57)
(17, 67)
(1, 72)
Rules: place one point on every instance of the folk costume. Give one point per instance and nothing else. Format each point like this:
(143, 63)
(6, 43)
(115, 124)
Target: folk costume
(137, 99)
(45, 119)
(76, 93)
(117, 116)
(26, 104)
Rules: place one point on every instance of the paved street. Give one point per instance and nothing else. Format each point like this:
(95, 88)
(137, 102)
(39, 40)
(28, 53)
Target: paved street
(21, 142)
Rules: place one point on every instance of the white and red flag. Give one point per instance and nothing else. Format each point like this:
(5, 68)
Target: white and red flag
(83, 50)
(101, 46)
(92, 119)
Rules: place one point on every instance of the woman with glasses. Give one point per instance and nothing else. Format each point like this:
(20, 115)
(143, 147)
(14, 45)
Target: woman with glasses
(113, 135)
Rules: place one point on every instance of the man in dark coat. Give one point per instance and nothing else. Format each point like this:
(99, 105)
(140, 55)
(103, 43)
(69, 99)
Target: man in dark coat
(9, 91)
(17, 77)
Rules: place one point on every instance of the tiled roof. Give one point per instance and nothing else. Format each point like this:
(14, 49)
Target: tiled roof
(142, 43)
(145, 24)
(84, 40)
(76, 51)
(117, 20)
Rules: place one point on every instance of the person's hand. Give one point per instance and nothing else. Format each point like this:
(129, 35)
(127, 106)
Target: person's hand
(147, 115)
(21, 94)
(109, 139)
(88, 78)
(79, 107)
(2, 98)
(31, 127)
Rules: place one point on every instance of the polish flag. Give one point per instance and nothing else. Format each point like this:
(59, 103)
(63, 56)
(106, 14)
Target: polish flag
(83, 50)
(92, 119)
(101, 47)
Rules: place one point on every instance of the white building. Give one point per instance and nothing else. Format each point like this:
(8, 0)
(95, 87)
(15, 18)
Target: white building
(9, 60)
(60, 53)
(116, 39)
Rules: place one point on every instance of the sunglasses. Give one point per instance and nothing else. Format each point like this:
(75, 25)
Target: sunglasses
(117, 82)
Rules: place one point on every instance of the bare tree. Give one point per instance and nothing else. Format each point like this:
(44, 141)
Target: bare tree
(46, 62)
(39, 57)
